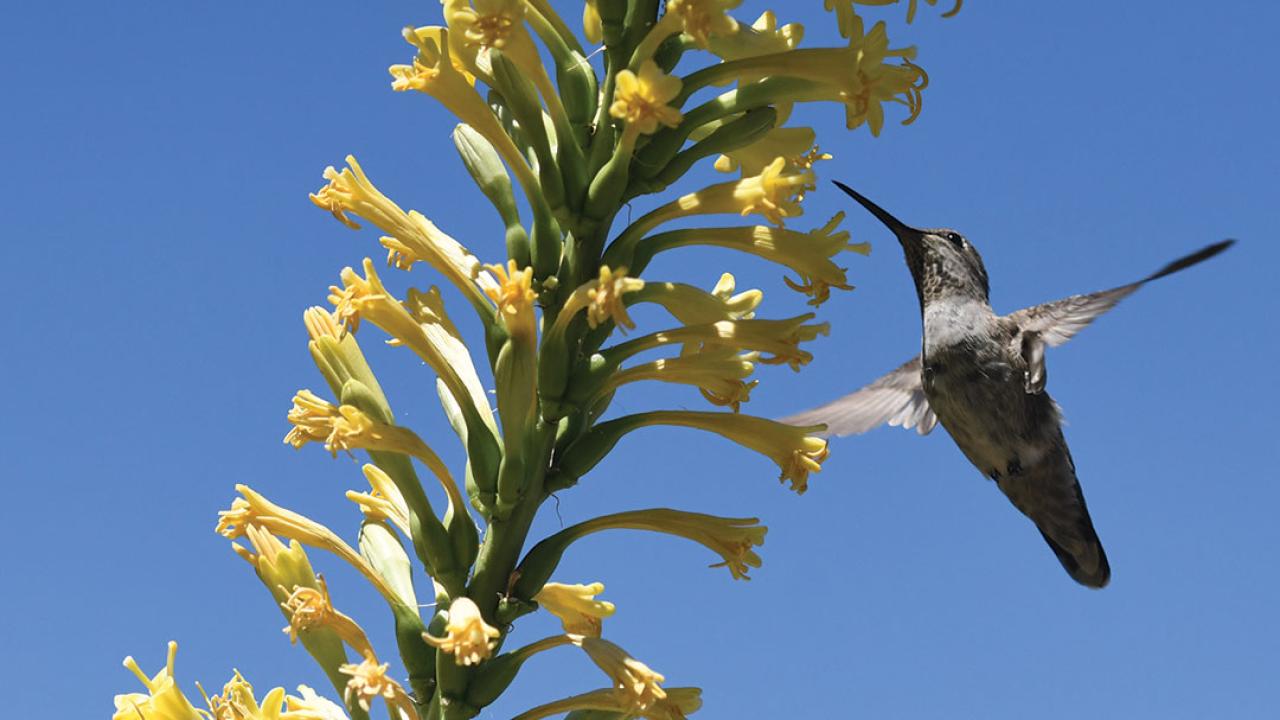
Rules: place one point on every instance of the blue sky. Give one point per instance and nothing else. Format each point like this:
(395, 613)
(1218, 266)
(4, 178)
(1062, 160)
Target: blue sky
(160, 249)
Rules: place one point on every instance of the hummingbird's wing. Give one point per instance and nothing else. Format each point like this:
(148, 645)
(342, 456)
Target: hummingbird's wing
(897, 399)
(1058, 321)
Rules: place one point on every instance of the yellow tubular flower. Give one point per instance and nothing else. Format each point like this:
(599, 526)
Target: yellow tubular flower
(514, 296)
(420, 325)
(321, 323)
(794, 145)
(441, 334)
(602, 298)
(762, 37)
(733, 539)
(345, 428)
(694, 306)
(310, 608)
(311, 706)
(779, 338)
(163, 699)
(467, 636)
(237, 703)
(796, 451)
(485, 25)
(640, 100)
(414, 237)
(431, 39)
(438, 72)
(384, 501)
(775, 193)
(635, 684)
(677, 705)
(576, 606)
(434, 71)
(718, 373)
(701, 19)
(369, 681)
(255, 510)
(808, 254)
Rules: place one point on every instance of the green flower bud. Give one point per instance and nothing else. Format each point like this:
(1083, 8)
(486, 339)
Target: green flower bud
(522, 99)
(486, 168)
(579, 93)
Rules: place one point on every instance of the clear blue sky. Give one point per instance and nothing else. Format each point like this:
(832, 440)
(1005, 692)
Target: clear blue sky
(160, 248)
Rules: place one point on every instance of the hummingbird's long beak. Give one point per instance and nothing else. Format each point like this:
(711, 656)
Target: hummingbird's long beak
(902, 230)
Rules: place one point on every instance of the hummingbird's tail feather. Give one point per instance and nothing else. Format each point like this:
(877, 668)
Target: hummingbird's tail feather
(1049, 493)
(1088, 566)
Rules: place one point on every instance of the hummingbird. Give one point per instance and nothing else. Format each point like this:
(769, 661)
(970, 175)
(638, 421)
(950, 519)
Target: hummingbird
(982, 376)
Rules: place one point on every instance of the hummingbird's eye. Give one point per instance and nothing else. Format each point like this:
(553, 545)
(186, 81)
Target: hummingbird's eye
(955, 239)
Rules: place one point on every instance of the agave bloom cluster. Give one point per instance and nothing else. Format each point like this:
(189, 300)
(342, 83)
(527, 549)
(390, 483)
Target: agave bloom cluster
(676, 83)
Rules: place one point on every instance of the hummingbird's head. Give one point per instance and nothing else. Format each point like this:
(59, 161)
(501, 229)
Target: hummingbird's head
(942, 262)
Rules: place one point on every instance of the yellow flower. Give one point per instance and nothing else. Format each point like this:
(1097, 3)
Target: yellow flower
(635, 684)
(718, 373)
(321, 323)
(796, 452)
(238, 703)
(514, 297)
(860, 78)
(430, 40)
(438, 73)
(384, 501)
(808, 254)
(576, 606)
(345, 428)
(876, 82)
(312, 418)
(369, 681)
(701, 19)
(467, 636)
(439, 332)
(311, 706)
(602, 299)
(779, 338)
(733, 539)
(794, 145)
(414, 237)
(310, 608)
(255, 510)
(421, 325)
(163, 699)
(763, 37)
(775, 193)
(677, 705)
(592, 27)
(640, 100)
(490, 24)
(694, 306)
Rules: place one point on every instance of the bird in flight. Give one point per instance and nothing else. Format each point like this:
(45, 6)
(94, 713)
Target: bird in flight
(982, 376)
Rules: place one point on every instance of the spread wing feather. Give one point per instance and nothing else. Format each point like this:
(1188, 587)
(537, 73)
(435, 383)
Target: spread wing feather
(1059, 321)
(896, 399)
